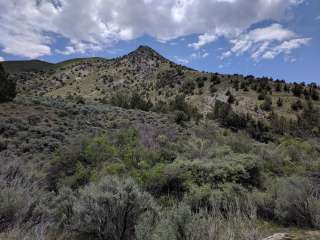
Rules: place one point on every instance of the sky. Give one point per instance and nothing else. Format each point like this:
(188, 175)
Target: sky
(273, 38)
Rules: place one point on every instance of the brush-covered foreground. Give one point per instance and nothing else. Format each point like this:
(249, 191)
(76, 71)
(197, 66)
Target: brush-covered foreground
(187, 156)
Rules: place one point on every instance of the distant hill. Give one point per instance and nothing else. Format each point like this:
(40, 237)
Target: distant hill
(26, 66)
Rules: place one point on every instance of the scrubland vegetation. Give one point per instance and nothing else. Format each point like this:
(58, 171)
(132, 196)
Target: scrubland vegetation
(157, 164)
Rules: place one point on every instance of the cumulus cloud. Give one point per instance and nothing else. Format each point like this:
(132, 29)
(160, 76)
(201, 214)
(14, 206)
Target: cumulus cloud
(1, 59)
(265, 43)
(79, 47)
(28, 27)
(286, 47)
(203, 40)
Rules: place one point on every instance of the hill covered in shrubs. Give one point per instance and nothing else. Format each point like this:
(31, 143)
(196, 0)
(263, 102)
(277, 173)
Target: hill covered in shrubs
(139, 147)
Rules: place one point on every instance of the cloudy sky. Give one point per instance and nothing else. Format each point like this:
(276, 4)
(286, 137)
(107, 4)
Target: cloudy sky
(277, 38)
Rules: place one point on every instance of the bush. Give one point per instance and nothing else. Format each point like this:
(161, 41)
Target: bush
(297, 89)
(180, 117)
(120, 99)
(215, 79)
(188, 87)
(201, 81)
(183, 110)
(61, 211)
(297, 105)
(227, 117)
(130, 101)
(261, 96)
(79, 99)
(231, 99)
(315, 94)
(7, 87)
(182, 177)
(267, 104)
(180, 223)
(109, 209)
(18, 204)
(92, 158)
(279, 102)
(213, 89)
(291, 201)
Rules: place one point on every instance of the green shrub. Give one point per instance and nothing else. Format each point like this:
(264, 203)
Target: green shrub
(188, 87)
(182, 177)
(291, 201)
(18, 204)
(183, 110)
(261, 96)
(180, 117)
(180, 223)
(227, 117)
(92, 158)
(215, 79)
(297, 105)
(130, 101)
(61, 211)
(111, 209)
(7, 87)
(279, 102)
(267, 104)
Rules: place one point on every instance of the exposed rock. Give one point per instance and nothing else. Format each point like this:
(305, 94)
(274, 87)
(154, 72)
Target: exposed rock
(279, 236)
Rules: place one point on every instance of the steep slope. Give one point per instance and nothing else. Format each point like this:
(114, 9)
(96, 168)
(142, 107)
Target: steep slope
(157, 79)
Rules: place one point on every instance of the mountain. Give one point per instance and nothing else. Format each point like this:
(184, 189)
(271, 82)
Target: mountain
(26, 66)
(192, 151)
(157, 79)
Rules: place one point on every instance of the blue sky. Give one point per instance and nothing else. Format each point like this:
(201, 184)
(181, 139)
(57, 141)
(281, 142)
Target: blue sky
(274, 38)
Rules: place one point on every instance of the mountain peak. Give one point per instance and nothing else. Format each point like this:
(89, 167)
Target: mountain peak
(145, 48)
(146, 51)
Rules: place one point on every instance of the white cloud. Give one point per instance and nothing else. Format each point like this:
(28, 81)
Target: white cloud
(275, 32)
(205, 55)
(265, 43)
(203, 40)
(79, 47)
(29, 27)
(21, 25)
(286, 47)
(199, 55)
(181, 60)
(193, 57)
(1, 59)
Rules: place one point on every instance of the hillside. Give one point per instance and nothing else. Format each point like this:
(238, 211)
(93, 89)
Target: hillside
(159, 81)
(155, 150)
(13, 67)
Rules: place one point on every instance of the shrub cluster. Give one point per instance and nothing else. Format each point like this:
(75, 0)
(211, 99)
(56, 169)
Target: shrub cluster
(7, 87)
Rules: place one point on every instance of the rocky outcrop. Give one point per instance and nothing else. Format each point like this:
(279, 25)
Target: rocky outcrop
(279, 236)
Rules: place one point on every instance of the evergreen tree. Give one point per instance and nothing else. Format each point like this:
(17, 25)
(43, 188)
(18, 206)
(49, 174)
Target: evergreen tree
(280, 102)
(7, 87)
(297, 89)
(278, 87)
(314, 94)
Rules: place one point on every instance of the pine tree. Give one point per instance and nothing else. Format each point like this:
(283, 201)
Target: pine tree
(7, 87)
(280, 102)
